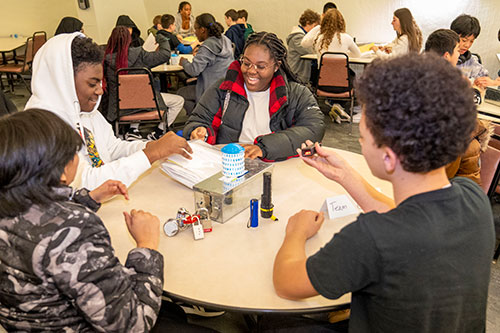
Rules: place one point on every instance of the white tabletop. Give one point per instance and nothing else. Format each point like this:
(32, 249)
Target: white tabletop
(166, 68)
(492, 111)
(8, 44)
(232, 267)
(352, 60)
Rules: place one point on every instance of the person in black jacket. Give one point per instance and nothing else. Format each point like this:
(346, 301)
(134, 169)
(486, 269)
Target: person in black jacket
(120, 54)
(259, 103)
(235, 32)
(69, 25)
(126, 21)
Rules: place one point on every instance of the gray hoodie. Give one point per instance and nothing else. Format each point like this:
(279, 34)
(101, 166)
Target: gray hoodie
(301, 67)
(210, 63)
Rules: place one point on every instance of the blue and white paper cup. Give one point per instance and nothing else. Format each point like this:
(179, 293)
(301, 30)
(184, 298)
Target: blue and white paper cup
(233, 160)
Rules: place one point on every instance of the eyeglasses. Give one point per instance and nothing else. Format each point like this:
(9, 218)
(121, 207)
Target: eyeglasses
(259, 68)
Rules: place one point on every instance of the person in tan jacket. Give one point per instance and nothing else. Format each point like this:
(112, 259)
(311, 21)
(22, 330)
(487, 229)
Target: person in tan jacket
(468, 165)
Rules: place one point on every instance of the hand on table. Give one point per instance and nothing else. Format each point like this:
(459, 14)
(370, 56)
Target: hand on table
(182, 60)
(109, 189)
(167, 145)
(252, 151)
(144, 228)
(485, 81)
(374, 48)
(326, 161)
(198, 133)
(305, 223)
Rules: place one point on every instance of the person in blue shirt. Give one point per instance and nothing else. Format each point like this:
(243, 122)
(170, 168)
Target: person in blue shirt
(235, 32)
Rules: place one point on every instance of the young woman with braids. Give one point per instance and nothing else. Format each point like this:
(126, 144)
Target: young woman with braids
(210, 62)
(330, 36)
(259, 103)
(409, 36)
(120, 54)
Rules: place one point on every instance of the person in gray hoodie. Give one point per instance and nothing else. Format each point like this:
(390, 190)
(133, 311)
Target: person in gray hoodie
(210, 62)
(301, 67)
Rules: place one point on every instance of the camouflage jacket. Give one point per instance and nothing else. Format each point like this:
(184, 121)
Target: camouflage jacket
(58, 272)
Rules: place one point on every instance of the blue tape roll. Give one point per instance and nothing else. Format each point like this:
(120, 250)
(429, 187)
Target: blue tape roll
(254, 213)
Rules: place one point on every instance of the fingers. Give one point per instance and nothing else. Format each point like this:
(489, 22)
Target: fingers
(128, 219)
(188, 148)
(123, 190)
(185, 154)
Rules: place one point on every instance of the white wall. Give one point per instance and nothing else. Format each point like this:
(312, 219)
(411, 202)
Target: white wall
(366, 20)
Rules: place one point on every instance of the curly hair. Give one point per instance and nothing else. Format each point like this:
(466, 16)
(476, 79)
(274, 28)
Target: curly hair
(276, 48)
(420, 106)
(83, 52)
(332, 24)
(35, 148)
(207, 21)
(309, 17)
(409, 28)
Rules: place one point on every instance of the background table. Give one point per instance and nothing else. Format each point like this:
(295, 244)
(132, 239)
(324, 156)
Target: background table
(352, 60)
(8, 44)
(231, 268)
(166, 68)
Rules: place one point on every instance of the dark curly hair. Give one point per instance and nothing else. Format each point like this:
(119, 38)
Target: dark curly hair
(207, 21)
(84, 51)
(35, 148)
(420, 106)
(276, 48)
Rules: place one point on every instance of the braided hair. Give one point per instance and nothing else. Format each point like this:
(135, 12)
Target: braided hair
(276, 48)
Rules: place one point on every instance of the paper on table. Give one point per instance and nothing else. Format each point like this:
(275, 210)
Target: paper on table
(366, 47)
(498, 56)
(150, 44)
(206, 162)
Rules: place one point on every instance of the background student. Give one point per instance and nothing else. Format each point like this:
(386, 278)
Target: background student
(408, 36)
(126, 21)
(210, 62)
(168, 28)
(258, 103)
(423, 265)
(119, 54)
(243, 18)
(330, 36)
(69, 25)
(184, 21)
(301, 67)
(66, 80)
(468, 28)
(446, 43)
(156, 25)
(235, 32)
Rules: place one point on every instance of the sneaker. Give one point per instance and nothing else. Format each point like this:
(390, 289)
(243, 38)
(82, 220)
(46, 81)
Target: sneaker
(334, 116)
(155, 134)
(199, 310)
(132, 134)
(341, 112)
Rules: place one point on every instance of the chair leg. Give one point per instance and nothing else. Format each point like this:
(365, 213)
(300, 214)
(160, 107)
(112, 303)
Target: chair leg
(497, 254)
(351, 108)
(25, 83)
(117, 128)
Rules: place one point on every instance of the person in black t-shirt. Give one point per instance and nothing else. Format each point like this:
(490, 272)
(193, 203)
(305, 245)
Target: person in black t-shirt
(420, 261)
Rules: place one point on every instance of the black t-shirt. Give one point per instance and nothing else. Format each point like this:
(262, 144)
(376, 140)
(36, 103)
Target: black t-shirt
(422, 267)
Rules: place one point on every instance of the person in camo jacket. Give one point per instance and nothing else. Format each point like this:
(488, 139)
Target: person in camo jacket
(58, 271)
